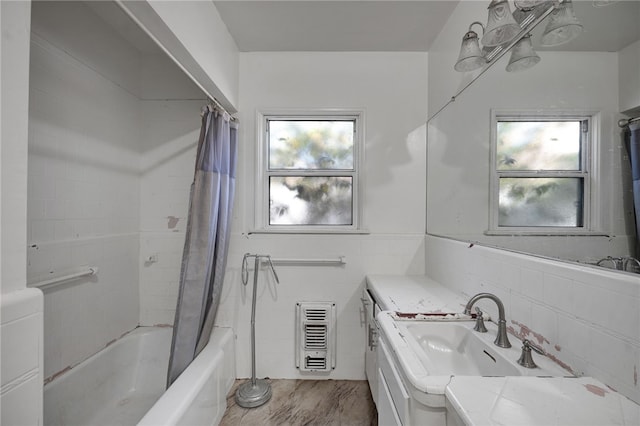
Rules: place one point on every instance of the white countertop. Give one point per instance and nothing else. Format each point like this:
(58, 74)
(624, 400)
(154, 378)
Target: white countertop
(539, 401)
(414, 294)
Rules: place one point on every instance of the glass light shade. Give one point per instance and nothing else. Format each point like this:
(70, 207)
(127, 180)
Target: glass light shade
(563, 26)
(470, 57)
(522, 55)
(527, 5)
(501, 26)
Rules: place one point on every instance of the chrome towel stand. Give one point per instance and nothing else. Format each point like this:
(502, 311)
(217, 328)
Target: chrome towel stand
(256, 392)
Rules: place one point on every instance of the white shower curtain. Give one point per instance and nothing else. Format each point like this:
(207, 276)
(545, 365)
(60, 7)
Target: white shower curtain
(207, 239)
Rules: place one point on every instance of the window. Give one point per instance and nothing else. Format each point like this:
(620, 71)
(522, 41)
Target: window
(308, 172)
(540, 167)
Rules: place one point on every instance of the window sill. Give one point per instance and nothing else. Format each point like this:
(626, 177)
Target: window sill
(323, 231)
(544, 233)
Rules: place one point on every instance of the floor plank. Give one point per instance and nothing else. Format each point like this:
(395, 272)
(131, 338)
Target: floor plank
(307, 402)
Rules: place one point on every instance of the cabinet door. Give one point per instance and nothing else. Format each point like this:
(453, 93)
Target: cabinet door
(387, 414)
(399, 395)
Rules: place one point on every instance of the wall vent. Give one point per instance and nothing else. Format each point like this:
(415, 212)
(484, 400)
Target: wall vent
(315, 336)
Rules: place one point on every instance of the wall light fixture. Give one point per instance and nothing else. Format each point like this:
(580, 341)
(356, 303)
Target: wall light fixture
(507, 31)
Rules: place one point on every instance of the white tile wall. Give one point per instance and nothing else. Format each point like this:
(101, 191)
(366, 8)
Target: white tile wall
(585, 317)
(83, 202)
(22, 357)
(275, 313)
(170, 138)
(14, 53)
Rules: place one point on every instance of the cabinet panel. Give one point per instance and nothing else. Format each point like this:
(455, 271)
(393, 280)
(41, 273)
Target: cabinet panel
(399, 395)
(387, 415)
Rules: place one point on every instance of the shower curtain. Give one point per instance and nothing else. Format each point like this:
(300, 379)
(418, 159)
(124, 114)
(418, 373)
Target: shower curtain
(207, 239)
(634, 155)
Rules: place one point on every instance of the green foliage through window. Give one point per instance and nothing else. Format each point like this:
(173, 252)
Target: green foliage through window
(540, 172)
(311, 171)
(321, 144)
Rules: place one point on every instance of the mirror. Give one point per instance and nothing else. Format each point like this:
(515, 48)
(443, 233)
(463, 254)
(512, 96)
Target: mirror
(580, 77)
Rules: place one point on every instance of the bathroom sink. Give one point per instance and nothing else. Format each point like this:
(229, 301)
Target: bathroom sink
(453, 348)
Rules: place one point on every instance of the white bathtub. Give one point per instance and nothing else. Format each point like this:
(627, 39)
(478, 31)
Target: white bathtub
(124, 384)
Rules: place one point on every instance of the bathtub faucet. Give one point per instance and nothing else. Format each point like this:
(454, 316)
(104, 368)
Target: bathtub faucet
(501, 339)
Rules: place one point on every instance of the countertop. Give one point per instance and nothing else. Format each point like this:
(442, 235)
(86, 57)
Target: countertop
(413, 294)
(561, 401)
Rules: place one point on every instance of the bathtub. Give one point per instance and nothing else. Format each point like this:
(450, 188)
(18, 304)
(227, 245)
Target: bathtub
(124, 384)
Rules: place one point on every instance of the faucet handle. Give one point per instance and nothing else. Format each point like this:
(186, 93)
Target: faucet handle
(526, 360)
(532, 346)
(479, 327)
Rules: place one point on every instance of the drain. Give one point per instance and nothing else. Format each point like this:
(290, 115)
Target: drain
(490, 356)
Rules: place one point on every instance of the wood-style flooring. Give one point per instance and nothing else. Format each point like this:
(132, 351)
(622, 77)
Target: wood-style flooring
(307, 402)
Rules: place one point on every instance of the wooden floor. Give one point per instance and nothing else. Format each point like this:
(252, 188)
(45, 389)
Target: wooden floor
(307, 402)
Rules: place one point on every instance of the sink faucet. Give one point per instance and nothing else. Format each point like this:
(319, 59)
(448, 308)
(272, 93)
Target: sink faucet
(501, 339)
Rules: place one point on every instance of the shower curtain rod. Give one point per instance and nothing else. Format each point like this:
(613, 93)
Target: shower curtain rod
(219, 106)
(626, 121)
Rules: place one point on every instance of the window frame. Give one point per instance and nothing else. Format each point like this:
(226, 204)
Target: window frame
(588, 172)
(263, 172)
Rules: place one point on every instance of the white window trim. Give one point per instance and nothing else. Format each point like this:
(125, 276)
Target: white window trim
(261, 199)
(591, 174)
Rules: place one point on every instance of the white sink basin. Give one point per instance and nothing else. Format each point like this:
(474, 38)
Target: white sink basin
(452, 348)
(455, 349)
(430, 352)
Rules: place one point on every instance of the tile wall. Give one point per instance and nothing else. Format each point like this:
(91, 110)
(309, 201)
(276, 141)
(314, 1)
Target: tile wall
(275, 311)
(22, 358)
(83, 203)
(171, 132)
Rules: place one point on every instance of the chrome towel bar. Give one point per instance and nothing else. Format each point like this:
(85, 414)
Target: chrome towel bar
(340, 260)
(92, 270)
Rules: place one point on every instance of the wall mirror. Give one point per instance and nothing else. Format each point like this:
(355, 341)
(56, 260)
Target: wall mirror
(589, 76)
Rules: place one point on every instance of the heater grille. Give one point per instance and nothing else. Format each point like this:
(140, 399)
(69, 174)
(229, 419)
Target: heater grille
(314, 364)
(315, 336)
(315, 314)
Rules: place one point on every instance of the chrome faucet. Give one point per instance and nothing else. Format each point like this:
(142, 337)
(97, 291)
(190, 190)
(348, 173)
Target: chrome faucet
(501, 339)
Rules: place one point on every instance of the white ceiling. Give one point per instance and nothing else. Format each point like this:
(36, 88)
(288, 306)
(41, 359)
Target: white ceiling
(359, 25)
(379, 25)
(335, 25)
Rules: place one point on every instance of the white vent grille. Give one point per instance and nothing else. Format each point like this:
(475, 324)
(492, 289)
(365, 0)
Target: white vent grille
(315, 336)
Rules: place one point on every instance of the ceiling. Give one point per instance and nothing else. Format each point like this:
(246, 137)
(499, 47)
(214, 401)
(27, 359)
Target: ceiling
(359, 25)
(379, 25)
(335, 25)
